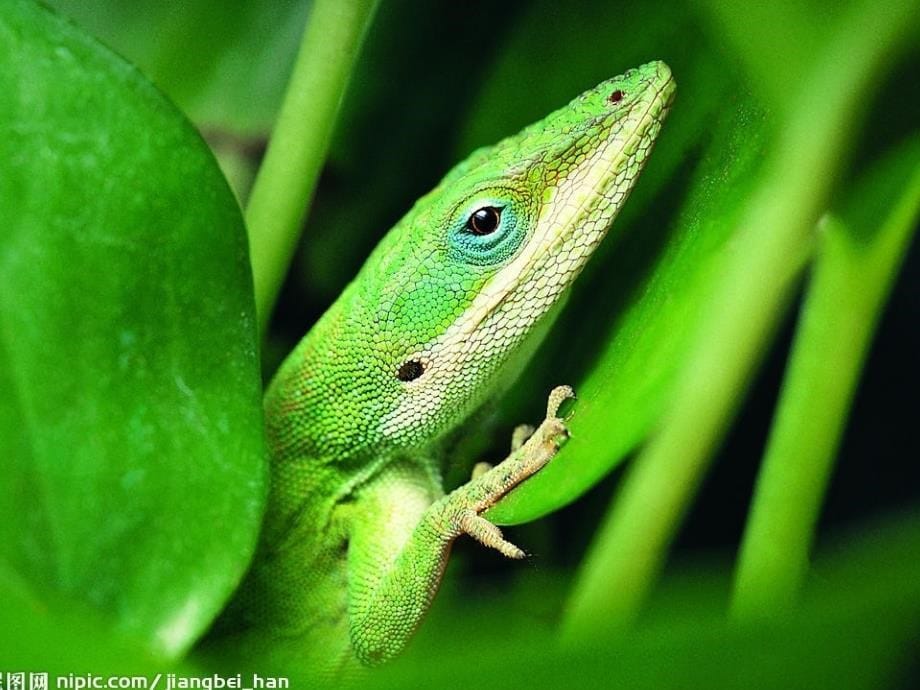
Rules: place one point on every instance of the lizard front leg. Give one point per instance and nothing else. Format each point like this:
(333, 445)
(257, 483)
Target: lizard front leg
(399, 547)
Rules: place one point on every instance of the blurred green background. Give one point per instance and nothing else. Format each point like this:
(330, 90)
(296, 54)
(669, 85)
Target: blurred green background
(130, 353)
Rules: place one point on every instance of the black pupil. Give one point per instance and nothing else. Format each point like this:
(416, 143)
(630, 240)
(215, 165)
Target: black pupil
(616, 96)
(484, 220)
(411, 370)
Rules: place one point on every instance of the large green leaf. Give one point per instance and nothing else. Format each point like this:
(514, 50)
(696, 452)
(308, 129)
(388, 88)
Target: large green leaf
(130, 426)
(226, 68)
(78, 635)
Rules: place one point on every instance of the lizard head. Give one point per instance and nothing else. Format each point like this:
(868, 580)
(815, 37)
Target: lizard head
(462, 288)
(505, 233)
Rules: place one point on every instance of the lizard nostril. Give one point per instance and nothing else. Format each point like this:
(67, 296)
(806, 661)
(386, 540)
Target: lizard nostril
(615, 97)
(411, 370)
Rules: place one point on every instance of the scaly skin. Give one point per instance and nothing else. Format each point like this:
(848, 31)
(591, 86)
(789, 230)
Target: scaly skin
(440, 318)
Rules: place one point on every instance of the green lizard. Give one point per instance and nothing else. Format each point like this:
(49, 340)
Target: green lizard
(440, 319)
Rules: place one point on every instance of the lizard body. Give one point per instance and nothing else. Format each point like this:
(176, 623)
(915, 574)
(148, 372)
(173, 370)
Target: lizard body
(442, 315)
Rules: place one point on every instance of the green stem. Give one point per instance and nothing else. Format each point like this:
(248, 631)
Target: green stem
(300, 140)
(769, 251)
(852, 278)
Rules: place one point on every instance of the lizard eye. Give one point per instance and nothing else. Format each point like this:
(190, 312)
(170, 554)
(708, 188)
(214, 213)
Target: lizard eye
(615, 97)
(489, 228)
(484, 221)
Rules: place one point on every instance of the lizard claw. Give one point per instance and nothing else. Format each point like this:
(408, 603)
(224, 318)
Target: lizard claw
(519, 437)
(488, 534)
(480, 468)
(557, 396)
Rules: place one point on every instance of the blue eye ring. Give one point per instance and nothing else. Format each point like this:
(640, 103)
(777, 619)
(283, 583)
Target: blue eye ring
(490, 227)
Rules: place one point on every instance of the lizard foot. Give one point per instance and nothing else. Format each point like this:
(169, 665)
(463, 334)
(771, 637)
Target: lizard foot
(462, 508)
(519, 437)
